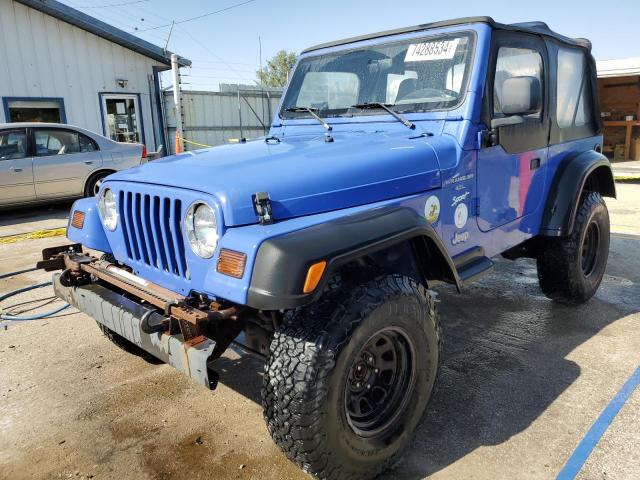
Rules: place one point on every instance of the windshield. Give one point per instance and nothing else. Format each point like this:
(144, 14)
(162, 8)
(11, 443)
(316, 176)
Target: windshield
(414, 76)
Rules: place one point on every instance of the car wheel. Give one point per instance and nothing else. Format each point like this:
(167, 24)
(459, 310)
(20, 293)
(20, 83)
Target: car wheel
(92, 187)
(570, 269)
(349, 377)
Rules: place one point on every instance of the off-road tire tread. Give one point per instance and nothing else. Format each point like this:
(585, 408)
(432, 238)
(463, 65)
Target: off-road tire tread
(303, 353)
(556, 278)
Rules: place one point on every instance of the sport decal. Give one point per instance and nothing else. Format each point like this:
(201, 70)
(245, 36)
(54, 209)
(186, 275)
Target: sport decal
(459, 198)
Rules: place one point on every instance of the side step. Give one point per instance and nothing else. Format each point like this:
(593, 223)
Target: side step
(472, 264)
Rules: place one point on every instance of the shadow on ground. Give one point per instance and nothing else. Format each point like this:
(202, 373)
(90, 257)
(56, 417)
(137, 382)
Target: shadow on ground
(34, 217)
(505, 358)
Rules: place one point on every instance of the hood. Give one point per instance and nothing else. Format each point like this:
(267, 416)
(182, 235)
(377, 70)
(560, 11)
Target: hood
(303, 175)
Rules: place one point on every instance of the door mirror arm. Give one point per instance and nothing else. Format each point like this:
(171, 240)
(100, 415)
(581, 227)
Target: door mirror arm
(491, 138)
(502, 122)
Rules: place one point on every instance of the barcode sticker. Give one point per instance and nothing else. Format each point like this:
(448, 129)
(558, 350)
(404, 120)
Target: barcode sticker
(438, 50)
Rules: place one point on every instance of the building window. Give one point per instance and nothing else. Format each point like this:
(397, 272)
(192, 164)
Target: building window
(121, 117)
(50, 110)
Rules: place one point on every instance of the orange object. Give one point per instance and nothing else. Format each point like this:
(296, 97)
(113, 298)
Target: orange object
(77, 219)
(178, 144)
(314, 274)
(231, 263)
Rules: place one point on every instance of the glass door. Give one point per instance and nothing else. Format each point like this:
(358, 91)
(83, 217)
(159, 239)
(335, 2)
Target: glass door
(122, 117)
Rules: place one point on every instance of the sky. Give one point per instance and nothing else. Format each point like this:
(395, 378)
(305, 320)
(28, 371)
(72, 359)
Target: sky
(224, 46)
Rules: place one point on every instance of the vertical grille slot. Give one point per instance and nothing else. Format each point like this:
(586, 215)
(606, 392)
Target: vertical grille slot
(152, 233)
(125, 227)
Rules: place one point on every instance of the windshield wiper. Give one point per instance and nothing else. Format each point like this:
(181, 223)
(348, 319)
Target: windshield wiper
(373, 105)
(312, 112)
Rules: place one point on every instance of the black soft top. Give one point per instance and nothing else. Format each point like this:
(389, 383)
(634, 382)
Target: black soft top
(538, 28)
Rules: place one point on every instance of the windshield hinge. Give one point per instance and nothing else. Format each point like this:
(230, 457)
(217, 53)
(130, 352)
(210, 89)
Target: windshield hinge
(262, 204)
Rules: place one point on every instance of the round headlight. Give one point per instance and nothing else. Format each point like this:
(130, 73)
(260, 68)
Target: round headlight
(108, 209)
(202, 229)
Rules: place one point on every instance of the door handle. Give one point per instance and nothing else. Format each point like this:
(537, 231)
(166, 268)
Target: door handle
(16, 169)
(535, 163)
(88, 162)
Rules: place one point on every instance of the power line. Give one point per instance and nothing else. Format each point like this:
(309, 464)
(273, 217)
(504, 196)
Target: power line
(199, 16)
(113, 4)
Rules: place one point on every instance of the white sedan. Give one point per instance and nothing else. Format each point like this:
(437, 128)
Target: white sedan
(41, 162)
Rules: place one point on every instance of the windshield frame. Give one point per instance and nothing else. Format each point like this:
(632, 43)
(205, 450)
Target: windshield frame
(412, 38)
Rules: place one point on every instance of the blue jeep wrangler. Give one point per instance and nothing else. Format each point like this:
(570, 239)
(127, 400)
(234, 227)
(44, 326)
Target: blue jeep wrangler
(396, 161)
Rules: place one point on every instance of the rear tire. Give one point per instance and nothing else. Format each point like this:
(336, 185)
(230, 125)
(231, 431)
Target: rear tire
(349, 378)
(570, 269)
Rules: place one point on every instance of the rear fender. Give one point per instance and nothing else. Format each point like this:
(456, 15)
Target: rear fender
(590, 170)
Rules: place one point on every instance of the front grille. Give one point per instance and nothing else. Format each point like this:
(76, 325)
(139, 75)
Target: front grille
(152, 233)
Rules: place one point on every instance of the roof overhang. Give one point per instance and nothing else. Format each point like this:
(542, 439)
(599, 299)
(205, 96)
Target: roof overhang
(108, 32)
(621, 67)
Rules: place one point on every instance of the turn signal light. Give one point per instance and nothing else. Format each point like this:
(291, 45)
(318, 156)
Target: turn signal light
(77, 219)
(314, 274)
(231, 263)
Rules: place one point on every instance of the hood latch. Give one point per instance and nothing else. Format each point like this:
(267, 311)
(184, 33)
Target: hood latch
(262, 204)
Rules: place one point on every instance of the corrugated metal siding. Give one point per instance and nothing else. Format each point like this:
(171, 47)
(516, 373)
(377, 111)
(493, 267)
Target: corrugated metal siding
(212, 118)
(41, 56)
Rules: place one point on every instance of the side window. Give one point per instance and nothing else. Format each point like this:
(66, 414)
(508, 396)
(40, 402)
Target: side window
(56, 142)
(13, 144)
(515, 62)
(573, 104)
(87, 145)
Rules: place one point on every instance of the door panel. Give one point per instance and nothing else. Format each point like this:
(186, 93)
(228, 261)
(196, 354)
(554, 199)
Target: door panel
(512, 174)
(16, 168)
(510, 186)
(64, 159)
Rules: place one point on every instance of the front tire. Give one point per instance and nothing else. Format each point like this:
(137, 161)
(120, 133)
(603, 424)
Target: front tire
(570, 269)
(349, 378)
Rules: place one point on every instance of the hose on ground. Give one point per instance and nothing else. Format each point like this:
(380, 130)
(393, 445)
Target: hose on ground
(18, 318)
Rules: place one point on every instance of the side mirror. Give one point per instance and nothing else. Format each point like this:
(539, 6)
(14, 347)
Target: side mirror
(520, 96)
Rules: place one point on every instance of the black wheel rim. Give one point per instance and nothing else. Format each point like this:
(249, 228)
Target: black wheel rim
(380, 382)
(590, 246)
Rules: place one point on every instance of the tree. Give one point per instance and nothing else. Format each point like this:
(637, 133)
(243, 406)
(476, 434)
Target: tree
(276, 73)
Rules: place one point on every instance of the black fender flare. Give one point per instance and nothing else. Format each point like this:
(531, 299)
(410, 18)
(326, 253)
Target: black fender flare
(282, 262)
(567, 186)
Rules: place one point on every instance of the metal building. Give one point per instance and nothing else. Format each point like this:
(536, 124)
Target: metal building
(214, 118)
(61, 65)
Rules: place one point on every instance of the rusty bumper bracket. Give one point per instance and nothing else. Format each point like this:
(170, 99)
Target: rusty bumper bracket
(79, 268)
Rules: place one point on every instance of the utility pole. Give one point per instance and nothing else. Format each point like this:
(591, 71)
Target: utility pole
(177, 101)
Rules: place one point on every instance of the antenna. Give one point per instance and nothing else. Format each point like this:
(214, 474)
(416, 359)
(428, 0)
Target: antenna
(262, 86)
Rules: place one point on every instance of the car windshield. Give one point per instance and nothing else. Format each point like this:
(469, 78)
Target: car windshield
(414, 76)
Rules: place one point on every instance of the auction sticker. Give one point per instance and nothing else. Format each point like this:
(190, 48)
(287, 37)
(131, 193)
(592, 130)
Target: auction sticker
(461, 215)
(438, 50)
(432, 209)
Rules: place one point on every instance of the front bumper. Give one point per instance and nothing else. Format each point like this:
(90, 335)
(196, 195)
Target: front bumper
(125, 316)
